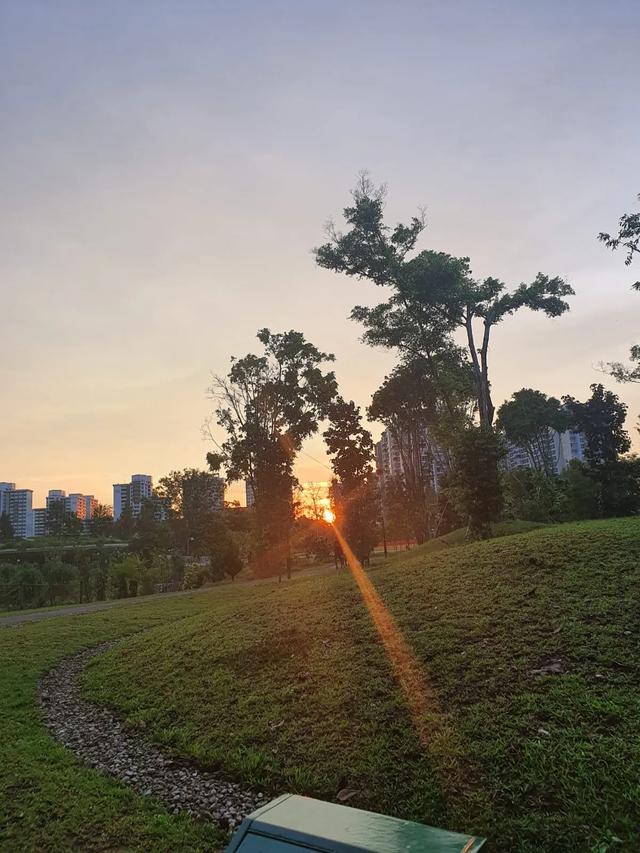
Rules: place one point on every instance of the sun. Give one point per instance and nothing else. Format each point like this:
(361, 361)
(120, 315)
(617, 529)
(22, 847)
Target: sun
(329, 516)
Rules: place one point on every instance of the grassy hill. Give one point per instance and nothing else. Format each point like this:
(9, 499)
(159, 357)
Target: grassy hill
(529, 647)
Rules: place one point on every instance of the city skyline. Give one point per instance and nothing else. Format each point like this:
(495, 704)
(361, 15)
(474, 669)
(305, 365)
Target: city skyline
(137, 262)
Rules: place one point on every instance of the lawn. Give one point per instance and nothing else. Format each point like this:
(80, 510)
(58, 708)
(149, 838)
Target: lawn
(529, 645)
(47, 800)
(288, 687)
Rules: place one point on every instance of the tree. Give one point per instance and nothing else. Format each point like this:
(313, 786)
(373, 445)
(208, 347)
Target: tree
(61, 522)
(25, 587)
(59, 579)
(127, 572)
(224, 553)
(102, 521)
(189, 497)
(420, 425)
(353, 490)
(532, 495)
(433, 295)
(151, 535)
(124, 527)
(526, 420)
(629, 237)
(6, 528)
(601, 418)
(268, 405)
(474, 483)
(582, 493)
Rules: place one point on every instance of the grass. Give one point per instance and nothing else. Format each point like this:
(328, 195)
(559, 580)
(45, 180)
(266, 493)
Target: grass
(47, 800)
(288, 687)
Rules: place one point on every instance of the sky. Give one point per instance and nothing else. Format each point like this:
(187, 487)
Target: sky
(167, 168)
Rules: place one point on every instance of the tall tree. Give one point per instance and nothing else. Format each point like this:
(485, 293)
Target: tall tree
(629, 238)
(526, 420)
(350, 446)
(410, 406)
(268, 404)
(601, 418)
(102, 521)
(6, 528)
(189, 497)
(474, 483)
(433, 295)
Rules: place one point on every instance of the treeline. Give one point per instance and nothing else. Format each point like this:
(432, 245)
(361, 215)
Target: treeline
(437, 403)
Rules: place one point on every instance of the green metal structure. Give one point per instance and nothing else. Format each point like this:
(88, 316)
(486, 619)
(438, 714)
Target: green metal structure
(292, 824)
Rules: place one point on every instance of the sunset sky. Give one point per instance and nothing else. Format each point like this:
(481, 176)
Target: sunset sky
(167, 168)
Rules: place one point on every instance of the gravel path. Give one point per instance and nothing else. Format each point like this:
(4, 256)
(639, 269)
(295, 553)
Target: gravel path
(100, 740)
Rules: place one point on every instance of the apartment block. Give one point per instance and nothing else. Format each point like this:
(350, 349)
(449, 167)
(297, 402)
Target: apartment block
(18, 505)
(132, 495)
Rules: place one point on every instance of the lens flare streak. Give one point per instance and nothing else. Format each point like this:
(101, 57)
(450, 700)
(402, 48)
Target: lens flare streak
(421, 699)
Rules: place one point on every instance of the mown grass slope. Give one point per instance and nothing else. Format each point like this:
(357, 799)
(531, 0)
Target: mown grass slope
(530, 644)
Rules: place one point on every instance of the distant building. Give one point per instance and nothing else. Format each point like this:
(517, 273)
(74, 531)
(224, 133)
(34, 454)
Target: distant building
(132, 495)
(561, 448)
(250, 498)
(40, 521)
(90, 504)
(216, 486)
(18, 505)
(391, 464)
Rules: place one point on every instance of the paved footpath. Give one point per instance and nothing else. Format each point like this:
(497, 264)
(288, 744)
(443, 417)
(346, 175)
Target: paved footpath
(76, 609)
(90, 607)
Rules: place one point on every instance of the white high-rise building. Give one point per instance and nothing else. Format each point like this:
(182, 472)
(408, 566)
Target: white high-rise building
(250, 498)
(132, 495)
(390, 462)
(561, 448)
(17, 504)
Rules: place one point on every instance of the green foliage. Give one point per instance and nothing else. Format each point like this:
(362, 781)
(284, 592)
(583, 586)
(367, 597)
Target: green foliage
(127, 574)
(60, 522)
(526, 420)
(102, 521)
(22, 586)
(224, 552)
(601, 418)
(531, 495)
(6, 528)
(475, 484)
(354, 489)
(628, 237)
(421, 423)
(582, 495)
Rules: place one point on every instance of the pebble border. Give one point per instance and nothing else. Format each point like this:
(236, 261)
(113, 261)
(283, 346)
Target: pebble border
(106, 744)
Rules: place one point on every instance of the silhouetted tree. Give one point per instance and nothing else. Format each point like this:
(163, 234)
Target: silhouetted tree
(102, 521)
(432, 295)
(350, 446)
(474, 484)
(268, 405)
(601, 418)
(629, 238)
(6, 528)
(526, 420)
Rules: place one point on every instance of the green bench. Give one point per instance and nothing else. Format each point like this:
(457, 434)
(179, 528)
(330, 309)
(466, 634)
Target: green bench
(292, 824)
